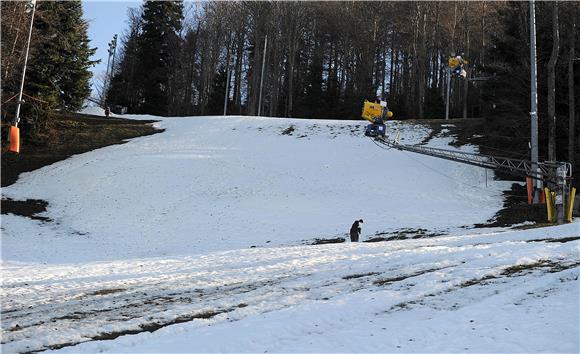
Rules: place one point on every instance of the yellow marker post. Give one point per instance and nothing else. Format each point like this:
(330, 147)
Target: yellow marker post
(550, 204)
(570, 205)
(554, 216)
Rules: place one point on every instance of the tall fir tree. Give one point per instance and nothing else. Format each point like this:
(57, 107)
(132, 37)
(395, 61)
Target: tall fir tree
(124, 87)
(161, 24)
(507, 93)
(58, 68)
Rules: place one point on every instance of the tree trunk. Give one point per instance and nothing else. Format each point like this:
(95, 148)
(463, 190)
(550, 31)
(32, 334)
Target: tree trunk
(228, 68)
(415, 81)
(482, 49)
(238, 75)
(275, 79)
(397, 74)
(391, 67)
(466, 83)
(291, 63)
(552, 85)
(255, 80)
(435, 83)
(422, 65)
(383, 73)
(454, 27)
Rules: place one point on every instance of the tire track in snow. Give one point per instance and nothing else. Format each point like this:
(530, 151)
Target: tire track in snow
(87, 305)
(142, 308)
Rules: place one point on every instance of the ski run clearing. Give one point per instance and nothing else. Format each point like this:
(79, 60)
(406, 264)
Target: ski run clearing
(201, 239)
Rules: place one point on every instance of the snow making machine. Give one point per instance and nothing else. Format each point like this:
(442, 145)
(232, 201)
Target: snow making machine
(376, 113)
(456, 64)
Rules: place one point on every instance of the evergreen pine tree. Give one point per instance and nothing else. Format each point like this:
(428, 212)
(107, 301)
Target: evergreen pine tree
(124, 87)
(215, 104)
(507, 94)
(161, 23)
(58, 68)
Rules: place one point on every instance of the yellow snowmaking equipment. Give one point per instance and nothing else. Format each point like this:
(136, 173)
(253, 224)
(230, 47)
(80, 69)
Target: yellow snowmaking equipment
(373, 110)
(376, 113)
(454, 62)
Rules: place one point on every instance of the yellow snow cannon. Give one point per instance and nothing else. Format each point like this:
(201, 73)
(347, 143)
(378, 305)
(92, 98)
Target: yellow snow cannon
(376, 113)
(373, 110)
(456, 66)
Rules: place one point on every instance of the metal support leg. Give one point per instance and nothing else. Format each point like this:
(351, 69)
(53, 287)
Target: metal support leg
(561, 194)
(448, 92)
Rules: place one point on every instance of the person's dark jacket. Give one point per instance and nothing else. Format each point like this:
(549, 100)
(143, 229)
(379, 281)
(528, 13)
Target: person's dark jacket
(355, 231)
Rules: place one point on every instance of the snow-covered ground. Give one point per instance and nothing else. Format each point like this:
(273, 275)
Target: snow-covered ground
(198, 240)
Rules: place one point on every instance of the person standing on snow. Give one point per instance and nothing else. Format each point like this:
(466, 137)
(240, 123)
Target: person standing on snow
(355, 230)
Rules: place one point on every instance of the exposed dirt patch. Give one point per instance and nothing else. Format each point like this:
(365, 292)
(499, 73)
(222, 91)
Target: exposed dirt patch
(435, 127)
(332, 130)
(383, 239)
(477, 281)
(388, 281)
(532, 226)
(403, 234)
(106, 292)
(522, 269)
(324, 241)
(28, 208)
(150, 327)
(289, 130)
(516, 210)
(476, 132)
(558, 240)
(546, 264)
(399, 234)
(66, 135)
(356, 276)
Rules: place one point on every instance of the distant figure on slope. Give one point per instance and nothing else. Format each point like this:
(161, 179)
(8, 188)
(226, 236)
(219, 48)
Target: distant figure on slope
(107, 111)
(355, 230)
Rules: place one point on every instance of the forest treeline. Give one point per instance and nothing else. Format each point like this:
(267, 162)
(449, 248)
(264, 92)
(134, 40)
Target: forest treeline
(321, 59)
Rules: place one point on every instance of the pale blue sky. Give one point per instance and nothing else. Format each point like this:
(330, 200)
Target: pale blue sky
(106, 18)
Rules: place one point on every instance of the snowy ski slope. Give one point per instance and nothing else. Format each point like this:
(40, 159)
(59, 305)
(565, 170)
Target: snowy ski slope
(198, 240)
(213, 183)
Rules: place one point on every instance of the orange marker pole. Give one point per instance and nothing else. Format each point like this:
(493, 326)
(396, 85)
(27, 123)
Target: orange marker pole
(14, 139)
(530, 186)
